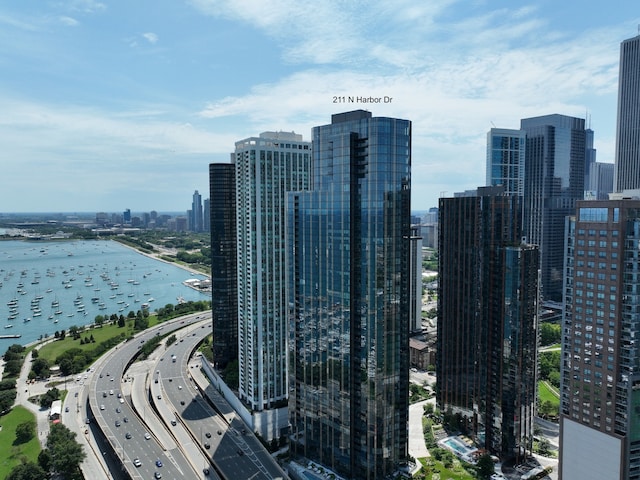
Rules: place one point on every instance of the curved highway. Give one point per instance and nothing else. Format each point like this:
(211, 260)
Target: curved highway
(129, 436)
(232, 448)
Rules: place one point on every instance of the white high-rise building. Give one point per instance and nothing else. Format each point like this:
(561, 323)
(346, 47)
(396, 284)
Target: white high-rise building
(267, 167)
(627, 163)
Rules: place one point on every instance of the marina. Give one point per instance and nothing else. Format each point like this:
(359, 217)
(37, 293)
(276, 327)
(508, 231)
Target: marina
(50, 286)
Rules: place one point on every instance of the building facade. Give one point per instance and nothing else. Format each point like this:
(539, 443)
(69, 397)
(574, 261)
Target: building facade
(600, 372)
(506, 159)
(415, 302)
(348, 283)
(627, 162)
(195, 214)
(487, 321)
(555, 161)
(224, 262)
(266, 168)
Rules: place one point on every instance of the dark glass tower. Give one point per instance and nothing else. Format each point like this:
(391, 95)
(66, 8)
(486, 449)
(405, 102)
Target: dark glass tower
(553, 182)
(224, 288)
(487, 320)
(348, 288)
(627, 164)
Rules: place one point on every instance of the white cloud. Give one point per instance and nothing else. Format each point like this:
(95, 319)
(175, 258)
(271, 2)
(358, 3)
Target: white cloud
(68, 21)
(150, 37)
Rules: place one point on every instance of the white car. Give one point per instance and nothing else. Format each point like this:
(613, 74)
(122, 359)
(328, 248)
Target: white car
(147, 436)
(179, 387)
(137, 462)
(101, 407)
(122, 400)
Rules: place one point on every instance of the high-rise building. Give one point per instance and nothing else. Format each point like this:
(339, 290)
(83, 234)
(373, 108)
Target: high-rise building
(627, 162)
(554, 180)
(506, 159)
(348, 266)
(415, 290)
(267, 167)
(487, 320)
(206, 216)
(600, 372)
(224, 275)
(600, 181)
(195, 215)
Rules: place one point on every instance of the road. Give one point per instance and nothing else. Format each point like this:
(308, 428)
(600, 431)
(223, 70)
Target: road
(112, 412)
(233, 449)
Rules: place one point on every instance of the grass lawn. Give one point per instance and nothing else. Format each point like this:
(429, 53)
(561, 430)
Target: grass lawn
(547, 394)
(431, 466)
(11, 454)
(51, 350)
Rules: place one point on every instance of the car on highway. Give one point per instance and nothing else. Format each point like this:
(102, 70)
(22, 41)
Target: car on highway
(122, 400)
(158, 463)
(118, 423)
(207, 445)
(159, 397)
(157, 475)
(181, 402)
(208, 435)
(66, 409)
(147, 436)
(125, 419)
(128, 436)
(101, 407)
(179, 387)
(104, 394)
(173, 422)
(110, 392)
(137, 462)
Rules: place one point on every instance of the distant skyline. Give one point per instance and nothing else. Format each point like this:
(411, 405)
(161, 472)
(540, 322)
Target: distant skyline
(108, 105)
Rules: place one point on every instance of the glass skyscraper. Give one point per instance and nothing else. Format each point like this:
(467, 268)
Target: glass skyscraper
(487, 320)
(224, 288)
(627, 163)
(555, 161)
(266, 168)
(348, 295)
(506, 159)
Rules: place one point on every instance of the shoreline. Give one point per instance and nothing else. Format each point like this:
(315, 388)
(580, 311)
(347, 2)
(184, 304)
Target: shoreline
(156, 256)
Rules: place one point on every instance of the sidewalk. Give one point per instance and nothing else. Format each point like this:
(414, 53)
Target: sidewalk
(417, 446)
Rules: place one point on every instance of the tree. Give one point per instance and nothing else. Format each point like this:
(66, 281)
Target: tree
(66, 366)
(550, 333)
(40, 366)
(485, 466)
(47, 399)
(25, 431)
(27, 471)
(44, 460)
(66, 453)
(7, 397)
(35, 353)
(121, 321)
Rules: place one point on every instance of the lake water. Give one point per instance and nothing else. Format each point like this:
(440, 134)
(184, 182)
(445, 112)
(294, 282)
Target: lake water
(49, 286)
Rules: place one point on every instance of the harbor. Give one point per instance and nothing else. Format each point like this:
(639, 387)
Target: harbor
(50, 286)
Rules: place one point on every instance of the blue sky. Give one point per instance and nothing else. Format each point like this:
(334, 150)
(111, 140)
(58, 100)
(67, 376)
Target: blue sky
(107, 105)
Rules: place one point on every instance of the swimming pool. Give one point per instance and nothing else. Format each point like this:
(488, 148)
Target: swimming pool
(458, 446)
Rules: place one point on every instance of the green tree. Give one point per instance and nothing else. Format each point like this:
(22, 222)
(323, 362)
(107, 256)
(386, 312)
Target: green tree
(35, 353)
(485, 466)
(66, 452)
(550, 333)
(25, 431)
(40, 366)
(44, 460)
(47, 399)
(27, 471)
(7, 397)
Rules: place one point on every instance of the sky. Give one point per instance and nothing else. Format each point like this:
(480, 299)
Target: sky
(113, 104)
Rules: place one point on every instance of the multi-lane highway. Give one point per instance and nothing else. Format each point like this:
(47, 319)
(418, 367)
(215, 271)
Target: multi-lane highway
(137, 448)
(158, 421)
(234, 451)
